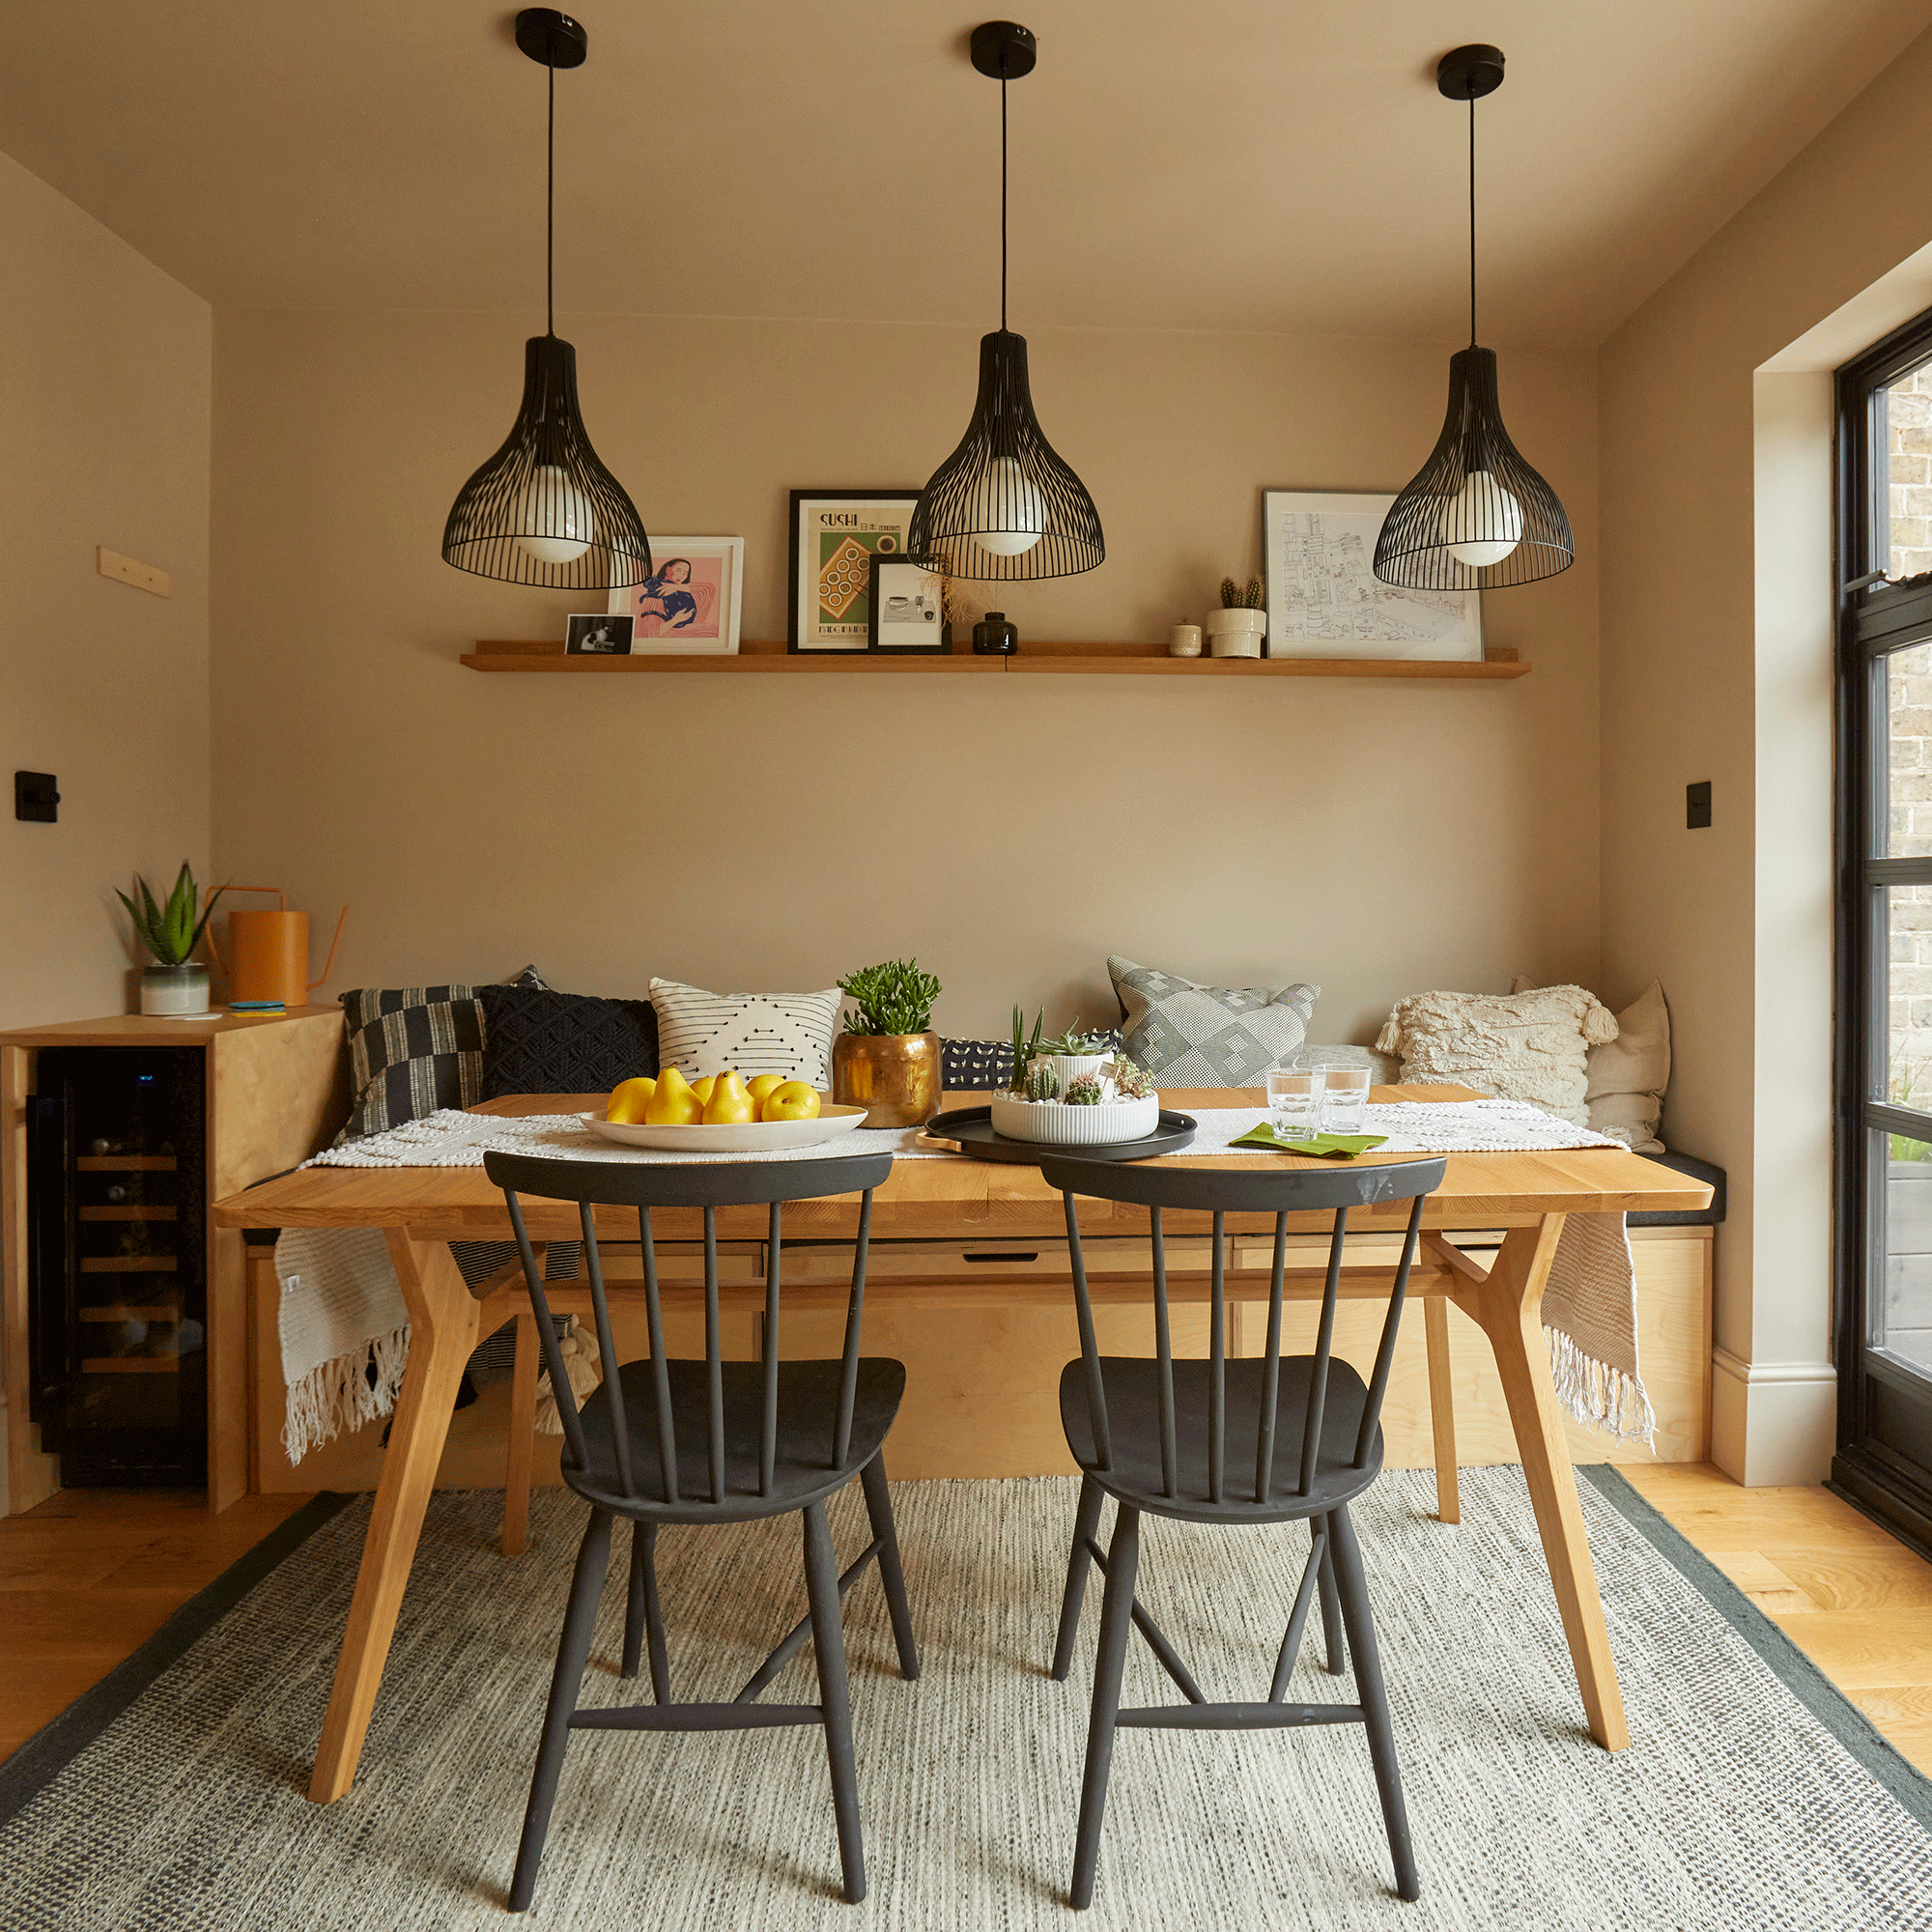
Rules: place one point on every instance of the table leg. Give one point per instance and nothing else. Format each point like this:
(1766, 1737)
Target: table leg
(1511, 1305)
(520, 1454)
(1443, 1408)
(443, 1331)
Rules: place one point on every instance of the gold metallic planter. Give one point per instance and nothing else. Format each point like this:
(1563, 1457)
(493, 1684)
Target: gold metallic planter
(894, 1076)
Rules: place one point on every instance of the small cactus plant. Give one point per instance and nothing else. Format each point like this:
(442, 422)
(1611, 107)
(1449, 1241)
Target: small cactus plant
(1084, 1091)
(1043, 1083)
(1236, 597)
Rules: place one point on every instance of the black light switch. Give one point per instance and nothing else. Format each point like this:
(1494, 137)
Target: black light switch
(1698, 805)
(36, 798)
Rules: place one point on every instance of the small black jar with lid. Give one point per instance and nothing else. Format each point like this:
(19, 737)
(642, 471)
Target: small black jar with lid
(995, 637)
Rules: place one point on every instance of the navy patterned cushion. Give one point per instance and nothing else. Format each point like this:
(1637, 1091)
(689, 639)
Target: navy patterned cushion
(411, 1049)
(986, 1065)
(538, 1041)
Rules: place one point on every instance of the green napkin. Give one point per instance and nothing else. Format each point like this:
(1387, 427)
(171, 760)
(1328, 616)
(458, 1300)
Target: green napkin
(1324, 1147)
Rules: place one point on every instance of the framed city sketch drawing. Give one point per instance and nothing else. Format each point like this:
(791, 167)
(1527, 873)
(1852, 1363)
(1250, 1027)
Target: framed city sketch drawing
(835, 537)
(691, 602)
(1325, 601)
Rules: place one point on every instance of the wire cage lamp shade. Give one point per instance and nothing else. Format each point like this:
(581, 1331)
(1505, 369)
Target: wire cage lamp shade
(543, 510)
(1476, 516)
(1004, 507)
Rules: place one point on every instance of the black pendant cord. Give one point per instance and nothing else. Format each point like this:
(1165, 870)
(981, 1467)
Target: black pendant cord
(1472, 221)
(1002, 194)
(549, 214)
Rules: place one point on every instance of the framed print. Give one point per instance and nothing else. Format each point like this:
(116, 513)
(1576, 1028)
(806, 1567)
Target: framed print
(597, 634)
(1325, 601)
(691, 602)
(906, 605)
(834, 535)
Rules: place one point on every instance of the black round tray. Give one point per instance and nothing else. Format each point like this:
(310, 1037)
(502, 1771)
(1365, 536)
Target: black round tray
(971, 1130)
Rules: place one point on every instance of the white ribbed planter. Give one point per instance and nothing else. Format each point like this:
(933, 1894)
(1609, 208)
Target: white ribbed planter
(1070, 1067)
(1054, 1124)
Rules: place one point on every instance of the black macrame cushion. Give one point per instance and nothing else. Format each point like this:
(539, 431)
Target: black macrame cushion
(539, 1041)
(986, 1065)
(411, 1049)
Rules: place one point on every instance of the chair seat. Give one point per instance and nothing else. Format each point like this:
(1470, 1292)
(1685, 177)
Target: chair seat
(804, 1472)
(1133, 1420)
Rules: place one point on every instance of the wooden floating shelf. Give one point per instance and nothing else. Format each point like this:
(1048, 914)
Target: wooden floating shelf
(546, 655)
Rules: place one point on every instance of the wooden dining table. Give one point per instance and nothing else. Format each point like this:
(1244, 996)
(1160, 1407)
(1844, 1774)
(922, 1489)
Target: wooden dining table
(1525, 1198)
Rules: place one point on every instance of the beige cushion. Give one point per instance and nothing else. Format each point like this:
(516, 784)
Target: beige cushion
(1520, 1046)
(1630, 1074)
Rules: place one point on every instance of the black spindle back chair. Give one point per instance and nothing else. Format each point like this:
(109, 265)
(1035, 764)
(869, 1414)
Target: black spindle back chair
(665, 1440)
(1173, 1437)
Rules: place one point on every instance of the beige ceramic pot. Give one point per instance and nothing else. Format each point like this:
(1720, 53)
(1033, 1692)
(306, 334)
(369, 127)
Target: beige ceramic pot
(894, 1076)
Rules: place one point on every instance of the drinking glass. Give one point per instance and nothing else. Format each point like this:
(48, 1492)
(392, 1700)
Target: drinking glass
(1346, 1095)
(1294, 1103)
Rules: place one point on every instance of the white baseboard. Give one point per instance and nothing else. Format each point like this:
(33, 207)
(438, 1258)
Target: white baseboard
(1772, 1423)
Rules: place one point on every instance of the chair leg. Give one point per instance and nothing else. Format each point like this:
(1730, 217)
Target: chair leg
(642, 1613)
(1117, 1618)
(1331, 1611)
(879, 1514)
(521, 1449)
(828, 1640)
(573, 1653)
(1443, 1410)
(1374, 1700)
(1086, 1525)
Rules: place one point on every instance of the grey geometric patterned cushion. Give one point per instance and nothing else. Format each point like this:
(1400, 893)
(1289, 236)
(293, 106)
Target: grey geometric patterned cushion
(1187, 1034)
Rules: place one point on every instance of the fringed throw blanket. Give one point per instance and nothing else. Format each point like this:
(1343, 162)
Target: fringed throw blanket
(345, 1329)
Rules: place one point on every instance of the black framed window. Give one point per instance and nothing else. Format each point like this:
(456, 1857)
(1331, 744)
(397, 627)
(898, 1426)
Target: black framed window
(1884, 1141)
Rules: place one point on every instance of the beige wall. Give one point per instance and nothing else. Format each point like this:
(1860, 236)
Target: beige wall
(104, 422)
(1699, 681)
(1377, 839)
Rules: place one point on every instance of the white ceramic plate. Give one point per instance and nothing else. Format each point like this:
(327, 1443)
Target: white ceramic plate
(752, 1137)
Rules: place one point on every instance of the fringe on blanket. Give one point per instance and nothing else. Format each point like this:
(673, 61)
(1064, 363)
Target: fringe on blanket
(580, 1365)
(344, 1393)
(1598, 1395)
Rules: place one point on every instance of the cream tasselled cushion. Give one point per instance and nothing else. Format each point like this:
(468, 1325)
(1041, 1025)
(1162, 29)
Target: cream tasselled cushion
(1518, 1046)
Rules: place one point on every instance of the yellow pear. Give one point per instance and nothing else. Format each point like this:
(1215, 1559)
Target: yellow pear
(730, 1105)
(794, 1101)
(628, 1100)
(704, 1088)
(673, 1103)
(761, 1090)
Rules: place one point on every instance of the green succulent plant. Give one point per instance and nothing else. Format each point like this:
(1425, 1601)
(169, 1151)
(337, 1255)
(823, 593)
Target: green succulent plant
(893, 997)
(1075, 1040)
(1024, 1048)
(170, 932)
(1130, 1082)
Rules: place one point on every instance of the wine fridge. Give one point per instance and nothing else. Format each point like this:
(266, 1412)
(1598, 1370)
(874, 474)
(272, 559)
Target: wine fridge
(118, 1264)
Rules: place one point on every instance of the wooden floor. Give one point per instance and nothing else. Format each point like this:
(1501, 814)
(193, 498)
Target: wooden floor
(90, 1574)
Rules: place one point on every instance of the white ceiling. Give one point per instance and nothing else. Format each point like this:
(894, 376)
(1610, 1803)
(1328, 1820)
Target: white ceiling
(1243, 164)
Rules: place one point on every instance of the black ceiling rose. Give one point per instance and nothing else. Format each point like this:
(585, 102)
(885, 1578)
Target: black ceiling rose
(1476, 516)
(543, 510)
(1005, 507)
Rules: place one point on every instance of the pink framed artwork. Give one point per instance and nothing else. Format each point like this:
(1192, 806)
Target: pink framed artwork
(690, 601)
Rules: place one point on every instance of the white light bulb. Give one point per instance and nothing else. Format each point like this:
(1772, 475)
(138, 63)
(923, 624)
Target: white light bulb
(1481, 524)
(555, 506)
(1010, 500)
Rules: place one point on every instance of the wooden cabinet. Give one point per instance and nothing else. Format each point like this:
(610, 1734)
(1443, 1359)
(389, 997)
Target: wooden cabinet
(274, 1088)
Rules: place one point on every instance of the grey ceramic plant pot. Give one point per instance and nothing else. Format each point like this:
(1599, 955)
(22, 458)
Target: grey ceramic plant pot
(174, 992)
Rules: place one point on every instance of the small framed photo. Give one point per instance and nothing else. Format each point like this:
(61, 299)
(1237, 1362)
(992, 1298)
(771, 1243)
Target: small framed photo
(835, 537)
(1325, 601)
(906, 605)
(689, 604)
(597, 635)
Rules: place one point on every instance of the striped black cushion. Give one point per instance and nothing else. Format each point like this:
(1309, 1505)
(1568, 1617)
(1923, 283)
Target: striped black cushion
(411, 1049)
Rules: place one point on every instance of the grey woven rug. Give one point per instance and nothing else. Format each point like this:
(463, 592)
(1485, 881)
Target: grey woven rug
(1752, 1796)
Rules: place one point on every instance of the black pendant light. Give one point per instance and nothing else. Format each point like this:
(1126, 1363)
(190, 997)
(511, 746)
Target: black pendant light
(1477, 516)
(543, 509)
(1004, 507)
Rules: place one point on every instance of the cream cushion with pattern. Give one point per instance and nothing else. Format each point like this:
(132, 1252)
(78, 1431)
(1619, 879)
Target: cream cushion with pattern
(1518, 1046)
(787, 1033)
(1629, 1075)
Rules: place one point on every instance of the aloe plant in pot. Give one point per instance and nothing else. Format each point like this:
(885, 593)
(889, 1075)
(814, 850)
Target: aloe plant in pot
(887, 1060)
(176, 985)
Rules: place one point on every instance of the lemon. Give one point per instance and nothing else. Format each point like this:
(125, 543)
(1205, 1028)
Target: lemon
(673, 1103)
(628, 1100)
(730, 1105)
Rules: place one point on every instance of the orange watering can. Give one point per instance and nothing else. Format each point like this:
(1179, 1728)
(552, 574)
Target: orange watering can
(270, 951)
